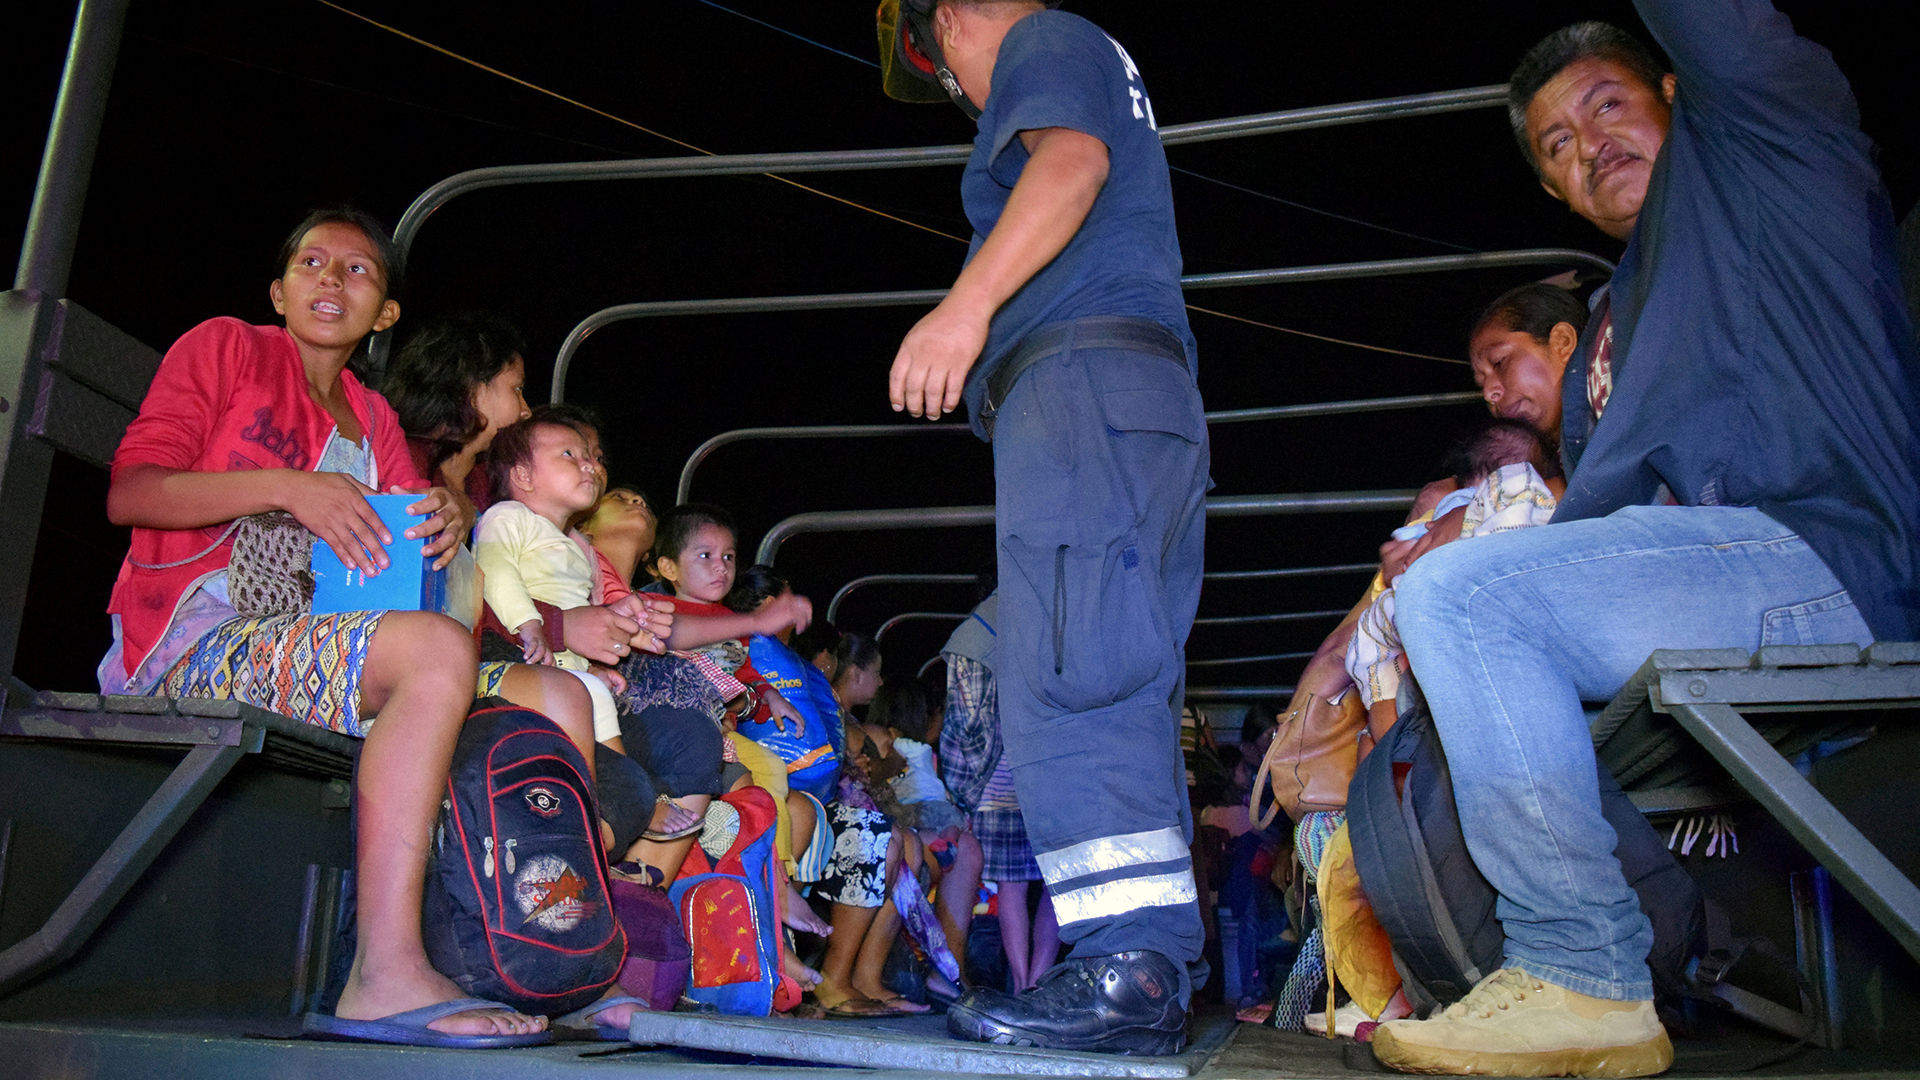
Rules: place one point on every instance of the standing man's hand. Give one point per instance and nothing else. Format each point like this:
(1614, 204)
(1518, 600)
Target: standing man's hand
(931, 368)
(1064, 173)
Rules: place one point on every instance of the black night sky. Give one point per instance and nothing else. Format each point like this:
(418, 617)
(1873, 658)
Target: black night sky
(228, 121)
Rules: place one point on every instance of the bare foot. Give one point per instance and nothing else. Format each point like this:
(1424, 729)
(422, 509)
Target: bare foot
(880, 995)
(371, 995)
(791, 966)
(800, 916)
(615, 1016)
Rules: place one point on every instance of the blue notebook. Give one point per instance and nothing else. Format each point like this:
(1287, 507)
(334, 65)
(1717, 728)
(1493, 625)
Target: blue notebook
(407, 584)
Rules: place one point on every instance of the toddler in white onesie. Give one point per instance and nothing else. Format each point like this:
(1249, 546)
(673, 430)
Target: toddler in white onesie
(524, 551)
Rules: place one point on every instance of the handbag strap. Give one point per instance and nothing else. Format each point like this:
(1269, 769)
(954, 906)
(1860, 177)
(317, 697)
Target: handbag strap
(196, 557)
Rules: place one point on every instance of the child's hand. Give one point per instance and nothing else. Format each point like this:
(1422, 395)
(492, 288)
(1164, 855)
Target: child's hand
(607, 675)
(783, 711)
(655, 616)
(533, 642)
(787, 609)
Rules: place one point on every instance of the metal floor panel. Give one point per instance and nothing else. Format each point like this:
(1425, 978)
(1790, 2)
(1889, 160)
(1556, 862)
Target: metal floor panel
(919, 1043)
(58, 1051)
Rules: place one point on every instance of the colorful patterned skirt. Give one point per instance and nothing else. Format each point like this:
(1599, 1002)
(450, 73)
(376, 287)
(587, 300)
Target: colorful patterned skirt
(303, 666)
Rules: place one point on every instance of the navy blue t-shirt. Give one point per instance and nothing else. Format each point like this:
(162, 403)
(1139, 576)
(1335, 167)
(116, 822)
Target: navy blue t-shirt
(1059, 70)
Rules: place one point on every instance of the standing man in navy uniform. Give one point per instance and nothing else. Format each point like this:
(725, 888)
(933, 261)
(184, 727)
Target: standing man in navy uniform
(1066, 334)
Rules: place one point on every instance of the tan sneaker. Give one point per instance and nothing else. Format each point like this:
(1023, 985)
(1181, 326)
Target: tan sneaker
(1513, 1024)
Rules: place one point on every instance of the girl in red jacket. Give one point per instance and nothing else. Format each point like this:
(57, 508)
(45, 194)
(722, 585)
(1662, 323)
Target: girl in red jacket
(243, 420)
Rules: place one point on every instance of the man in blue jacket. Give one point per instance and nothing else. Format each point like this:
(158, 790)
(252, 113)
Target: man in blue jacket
(1740, 446)
(1066, 334)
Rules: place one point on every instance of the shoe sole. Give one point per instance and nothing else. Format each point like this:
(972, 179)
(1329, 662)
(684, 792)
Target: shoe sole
(965, 1023)
(1640, 1059)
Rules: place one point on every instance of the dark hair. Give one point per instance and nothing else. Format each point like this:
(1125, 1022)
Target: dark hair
(392, 266)
(902, 705)
(854, 651)
(511, 447)
(1534, 309)
(677, 526)
(1568, 45)
(819, 636)
(755, 586)
(1261, 717)
(572, 414)
(431, 381)
(1496, 442)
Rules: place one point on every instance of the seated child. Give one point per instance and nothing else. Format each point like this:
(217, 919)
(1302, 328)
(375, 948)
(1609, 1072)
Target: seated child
(1509, 479)
(523, 548)
(901, 721)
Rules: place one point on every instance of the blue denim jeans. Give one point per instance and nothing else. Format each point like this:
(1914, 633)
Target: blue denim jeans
(1509, 633)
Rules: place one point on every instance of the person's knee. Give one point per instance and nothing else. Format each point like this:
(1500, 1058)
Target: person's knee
(423, 648)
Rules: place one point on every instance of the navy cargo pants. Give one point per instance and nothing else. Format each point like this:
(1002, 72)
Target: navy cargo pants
(1100, 468)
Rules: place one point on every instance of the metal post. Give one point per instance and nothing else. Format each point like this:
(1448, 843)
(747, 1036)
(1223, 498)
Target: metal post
(28, 314)
(46, 254)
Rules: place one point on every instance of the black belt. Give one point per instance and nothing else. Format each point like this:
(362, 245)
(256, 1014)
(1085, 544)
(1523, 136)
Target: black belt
(1093, 332)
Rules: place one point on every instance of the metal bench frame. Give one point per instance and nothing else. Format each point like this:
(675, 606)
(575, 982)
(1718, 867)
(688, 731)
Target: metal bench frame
(216, 734)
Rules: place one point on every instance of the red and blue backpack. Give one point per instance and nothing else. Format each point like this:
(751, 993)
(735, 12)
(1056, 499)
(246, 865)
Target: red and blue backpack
(727, 905)
(516, 907)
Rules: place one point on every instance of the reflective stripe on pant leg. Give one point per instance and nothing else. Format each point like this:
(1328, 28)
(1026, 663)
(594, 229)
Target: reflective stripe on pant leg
(1145, 877)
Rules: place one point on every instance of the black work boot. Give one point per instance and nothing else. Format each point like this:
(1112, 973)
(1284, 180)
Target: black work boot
(1127, 1003)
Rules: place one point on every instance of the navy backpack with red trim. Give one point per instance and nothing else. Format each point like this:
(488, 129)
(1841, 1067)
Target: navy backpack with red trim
(516, 907)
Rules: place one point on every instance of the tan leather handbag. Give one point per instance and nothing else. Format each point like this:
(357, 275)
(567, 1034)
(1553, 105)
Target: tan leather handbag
(1311, 761)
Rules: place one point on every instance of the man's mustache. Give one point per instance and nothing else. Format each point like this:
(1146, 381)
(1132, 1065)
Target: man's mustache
(1604, 163)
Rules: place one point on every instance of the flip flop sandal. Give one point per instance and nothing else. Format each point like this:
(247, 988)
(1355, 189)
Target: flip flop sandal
(582, 1022)
(410, 1028)
(642, 874)
(680, 824)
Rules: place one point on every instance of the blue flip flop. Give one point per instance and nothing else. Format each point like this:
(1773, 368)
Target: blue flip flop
(577, 1020)
(410, 1028)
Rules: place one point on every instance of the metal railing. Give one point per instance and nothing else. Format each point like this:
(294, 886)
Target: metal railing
(1482, 260)
(942, 517)
(1253, 620)
(880, 635)
(1267, 659)
(1239, 693)
(833, 606)
(866, 431)
(1233, 127)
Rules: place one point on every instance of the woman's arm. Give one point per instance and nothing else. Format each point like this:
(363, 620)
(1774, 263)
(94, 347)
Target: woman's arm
(333, 506)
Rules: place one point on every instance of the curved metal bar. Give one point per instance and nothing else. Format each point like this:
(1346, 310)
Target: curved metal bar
(833, 606)
(563, 360)
(1304, 571)
(1338, 408)
(1291, 616)
(1230, 416)
(931, 660)
(913, 616)
(816, 431)
(1233, 127)
(941, 517)
(1269, 658)
(1238, 693)
(1479, 260)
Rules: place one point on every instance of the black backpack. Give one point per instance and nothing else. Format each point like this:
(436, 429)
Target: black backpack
(1432, 900)
(517, 907)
